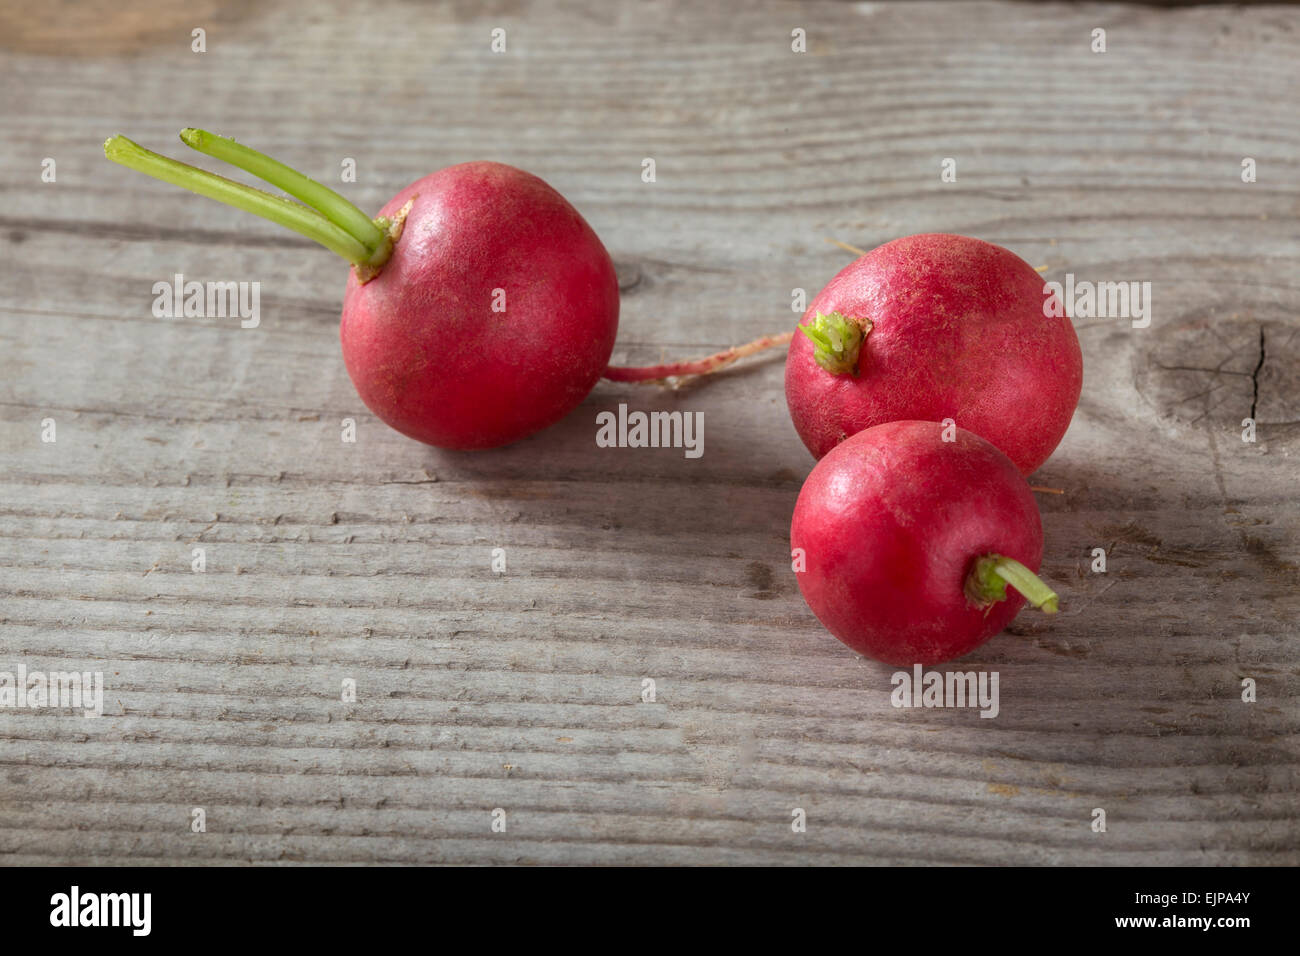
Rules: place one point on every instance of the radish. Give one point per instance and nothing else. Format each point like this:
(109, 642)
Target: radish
(904, 543)
(481, 306)
(932, 327)
(426, 350)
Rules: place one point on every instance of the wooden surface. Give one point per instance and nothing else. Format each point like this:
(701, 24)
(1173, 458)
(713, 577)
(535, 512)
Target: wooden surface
(522, 691)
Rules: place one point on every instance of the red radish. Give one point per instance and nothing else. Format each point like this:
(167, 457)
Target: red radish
(482, 307)
(909, 541)
(425, 349)
(931, 327)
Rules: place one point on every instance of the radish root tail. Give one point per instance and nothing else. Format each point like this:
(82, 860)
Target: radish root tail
(657, 374)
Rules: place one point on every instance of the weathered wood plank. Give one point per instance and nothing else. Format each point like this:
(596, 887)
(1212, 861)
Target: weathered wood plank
(371, 561)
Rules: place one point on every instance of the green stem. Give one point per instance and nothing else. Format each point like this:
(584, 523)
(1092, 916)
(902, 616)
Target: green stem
(300, 219)
(321, 198)
(992, 573)
(837, 341)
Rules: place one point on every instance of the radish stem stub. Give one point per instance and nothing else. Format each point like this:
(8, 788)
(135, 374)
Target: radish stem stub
(992, 573)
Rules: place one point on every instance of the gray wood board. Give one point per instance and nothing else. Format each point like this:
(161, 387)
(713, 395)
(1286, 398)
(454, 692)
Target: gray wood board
(522, 691)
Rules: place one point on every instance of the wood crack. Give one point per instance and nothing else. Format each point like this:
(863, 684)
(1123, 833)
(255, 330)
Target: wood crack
(1254, 376)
